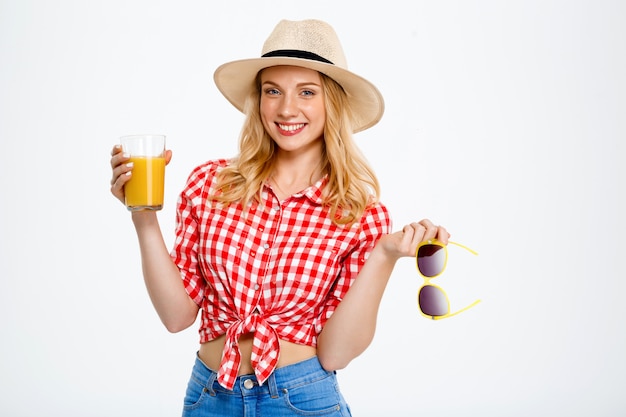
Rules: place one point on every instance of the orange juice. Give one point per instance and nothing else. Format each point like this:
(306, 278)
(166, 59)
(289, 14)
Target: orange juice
(144, 190)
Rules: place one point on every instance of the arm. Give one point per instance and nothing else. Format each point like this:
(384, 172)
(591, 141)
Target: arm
(350, 330)
(162, 277)
(163, 281)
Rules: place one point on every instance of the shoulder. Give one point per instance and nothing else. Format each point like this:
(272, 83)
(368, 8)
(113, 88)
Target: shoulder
(376, 219)
(207, 170)
(203, 177)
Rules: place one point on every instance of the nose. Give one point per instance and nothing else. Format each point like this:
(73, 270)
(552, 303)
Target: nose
(288, 106)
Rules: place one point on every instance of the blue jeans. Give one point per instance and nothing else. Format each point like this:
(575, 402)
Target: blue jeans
(301, 389)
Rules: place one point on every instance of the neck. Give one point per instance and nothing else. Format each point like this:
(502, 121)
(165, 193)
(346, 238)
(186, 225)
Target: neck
(289, 177)
(297, 171)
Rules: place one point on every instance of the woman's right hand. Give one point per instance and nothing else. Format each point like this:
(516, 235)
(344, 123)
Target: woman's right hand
(122, 170)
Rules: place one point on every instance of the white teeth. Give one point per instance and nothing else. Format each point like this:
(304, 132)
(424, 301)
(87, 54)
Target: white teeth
(291, 128)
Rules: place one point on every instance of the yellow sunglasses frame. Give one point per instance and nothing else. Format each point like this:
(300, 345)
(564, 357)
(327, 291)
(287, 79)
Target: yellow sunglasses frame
(428, 279)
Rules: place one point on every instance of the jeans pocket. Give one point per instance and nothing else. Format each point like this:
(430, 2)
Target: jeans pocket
(318, 398)
(196, 392)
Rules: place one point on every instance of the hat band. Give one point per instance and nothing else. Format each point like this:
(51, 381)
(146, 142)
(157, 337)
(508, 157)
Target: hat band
(295, 53)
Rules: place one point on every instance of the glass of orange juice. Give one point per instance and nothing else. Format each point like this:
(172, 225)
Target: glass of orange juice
(145, 189)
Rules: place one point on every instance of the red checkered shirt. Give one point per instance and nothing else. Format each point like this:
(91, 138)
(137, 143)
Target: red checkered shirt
(278, 271)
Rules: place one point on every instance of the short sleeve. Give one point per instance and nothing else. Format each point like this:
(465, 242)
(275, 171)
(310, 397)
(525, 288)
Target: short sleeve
(185, 250)
(375, 223)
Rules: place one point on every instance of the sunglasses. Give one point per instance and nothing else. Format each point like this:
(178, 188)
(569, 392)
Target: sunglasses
(432, 257)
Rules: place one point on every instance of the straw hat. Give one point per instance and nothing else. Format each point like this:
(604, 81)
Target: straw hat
(310, 44)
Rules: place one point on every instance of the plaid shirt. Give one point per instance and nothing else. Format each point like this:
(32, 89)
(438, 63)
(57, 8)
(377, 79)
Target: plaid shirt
(278, 271)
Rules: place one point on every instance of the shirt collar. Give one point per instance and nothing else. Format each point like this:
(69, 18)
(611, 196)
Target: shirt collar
(313, 192)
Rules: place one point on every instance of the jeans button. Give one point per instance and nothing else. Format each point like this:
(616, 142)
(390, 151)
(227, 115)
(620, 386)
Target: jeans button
(248, 384)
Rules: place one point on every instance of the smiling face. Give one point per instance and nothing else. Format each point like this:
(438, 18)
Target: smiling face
(292, 108)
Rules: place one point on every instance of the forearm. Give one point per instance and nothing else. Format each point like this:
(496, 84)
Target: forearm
(350, 330)
(175, 308)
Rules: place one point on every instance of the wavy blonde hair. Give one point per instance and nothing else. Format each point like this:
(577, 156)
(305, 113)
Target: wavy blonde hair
(352, 184)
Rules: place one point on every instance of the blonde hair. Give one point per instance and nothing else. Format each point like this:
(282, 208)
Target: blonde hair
(352, 185)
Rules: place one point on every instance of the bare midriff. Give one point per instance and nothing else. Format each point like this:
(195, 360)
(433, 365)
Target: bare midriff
(211, 353)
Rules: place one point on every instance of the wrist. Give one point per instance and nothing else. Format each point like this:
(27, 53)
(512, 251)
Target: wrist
(382, 257)
(144, 218)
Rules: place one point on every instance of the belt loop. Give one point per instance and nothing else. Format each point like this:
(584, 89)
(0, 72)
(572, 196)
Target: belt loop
(271, 383)
(212, 376)
(210, 382)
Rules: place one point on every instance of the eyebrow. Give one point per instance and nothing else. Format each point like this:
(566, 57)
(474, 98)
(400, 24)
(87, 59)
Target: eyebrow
(299, 85)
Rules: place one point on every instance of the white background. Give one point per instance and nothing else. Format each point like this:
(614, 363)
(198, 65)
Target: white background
(505, 122)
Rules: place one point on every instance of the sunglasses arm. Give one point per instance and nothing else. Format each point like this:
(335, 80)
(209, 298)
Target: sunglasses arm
(456, 312)
(472, 251)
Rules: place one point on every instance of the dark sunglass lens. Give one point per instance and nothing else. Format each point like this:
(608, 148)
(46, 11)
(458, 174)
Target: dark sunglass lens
(431, 260)
(433, 301)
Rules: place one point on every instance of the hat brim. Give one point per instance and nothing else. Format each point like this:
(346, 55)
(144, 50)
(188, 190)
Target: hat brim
(235, 80)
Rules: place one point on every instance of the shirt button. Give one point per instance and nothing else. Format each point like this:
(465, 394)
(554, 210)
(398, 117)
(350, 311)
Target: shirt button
(256, 287)
(266, 246)
(248, 384)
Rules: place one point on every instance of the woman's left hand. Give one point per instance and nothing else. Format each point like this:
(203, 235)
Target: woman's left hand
(405, 242)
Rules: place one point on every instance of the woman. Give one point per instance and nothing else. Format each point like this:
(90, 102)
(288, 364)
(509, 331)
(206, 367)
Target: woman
(285, 248)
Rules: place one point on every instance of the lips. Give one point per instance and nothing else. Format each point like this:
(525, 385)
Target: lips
(290, 129)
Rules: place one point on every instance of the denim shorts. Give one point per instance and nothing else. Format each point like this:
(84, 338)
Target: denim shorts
(301, 389)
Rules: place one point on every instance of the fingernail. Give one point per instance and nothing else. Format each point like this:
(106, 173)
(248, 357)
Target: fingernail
(126, 155)
(128, 174)
(129, 165)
